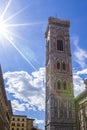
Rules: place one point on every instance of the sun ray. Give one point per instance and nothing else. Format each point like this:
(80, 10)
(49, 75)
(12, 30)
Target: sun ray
(24, 24)
(14, 35)
(28, 61)
(5, 10)
(15, 14)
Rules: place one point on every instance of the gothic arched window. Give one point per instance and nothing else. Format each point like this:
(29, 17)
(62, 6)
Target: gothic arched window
(58, 85)
(58, 65)
(60, 45)
(63, 66)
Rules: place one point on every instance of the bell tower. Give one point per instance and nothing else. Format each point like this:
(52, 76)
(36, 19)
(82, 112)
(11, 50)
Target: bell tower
(60, 107)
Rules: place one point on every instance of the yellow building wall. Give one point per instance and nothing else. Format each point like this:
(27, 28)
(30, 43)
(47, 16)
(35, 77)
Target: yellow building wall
(29, 124)
(21, 123)
(18, 123)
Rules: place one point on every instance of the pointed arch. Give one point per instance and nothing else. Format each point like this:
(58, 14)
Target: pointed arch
(58, 65)
(63, 66)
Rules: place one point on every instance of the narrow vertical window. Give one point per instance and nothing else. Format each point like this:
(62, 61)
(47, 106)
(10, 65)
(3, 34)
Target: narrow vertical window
(23, 119)
(13, 119)
(58, 85)
(58, 65)
(64, 85)
(22, 124)
(63, 66)
(60, 45)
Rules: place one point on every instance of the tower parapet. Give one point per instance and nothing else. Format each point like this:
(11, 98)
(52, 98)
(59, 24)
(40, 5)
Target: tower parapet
(52, 20)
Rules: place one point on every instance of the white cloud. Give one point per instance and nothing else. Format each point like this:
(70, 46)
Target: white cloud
(38, 121)
(80, 55)
(78, 84)
(80, 72)
(17, 106)
(79, 77)
(27, 88)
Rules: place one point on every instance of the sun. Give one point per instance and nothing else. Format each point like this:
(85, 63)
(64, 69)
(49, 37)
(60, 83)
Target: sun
(2, 28)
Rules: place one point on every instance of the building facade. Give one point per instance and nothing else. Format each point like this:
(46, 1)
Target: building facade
(60, 106)
(20, 122)
(81, 109)
(30, 123)
(5, 106)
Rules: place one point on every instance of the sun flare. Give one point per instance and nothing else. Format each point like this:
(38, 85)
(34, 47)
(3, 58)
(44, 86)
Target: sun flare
(9, 26)
(2, 27)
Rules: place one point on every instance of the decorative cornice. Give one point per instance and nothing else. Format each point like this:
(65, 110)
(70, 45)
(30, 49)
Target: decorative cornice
(53, 20)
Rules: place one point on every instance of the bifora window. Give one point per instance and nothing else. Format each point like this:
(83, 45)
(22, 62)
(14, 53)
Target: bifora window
(60, 45)
(13, 124)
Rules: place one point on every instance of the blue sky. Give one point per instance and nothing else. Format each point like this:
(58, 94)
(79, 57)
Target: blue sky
(22, 50)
